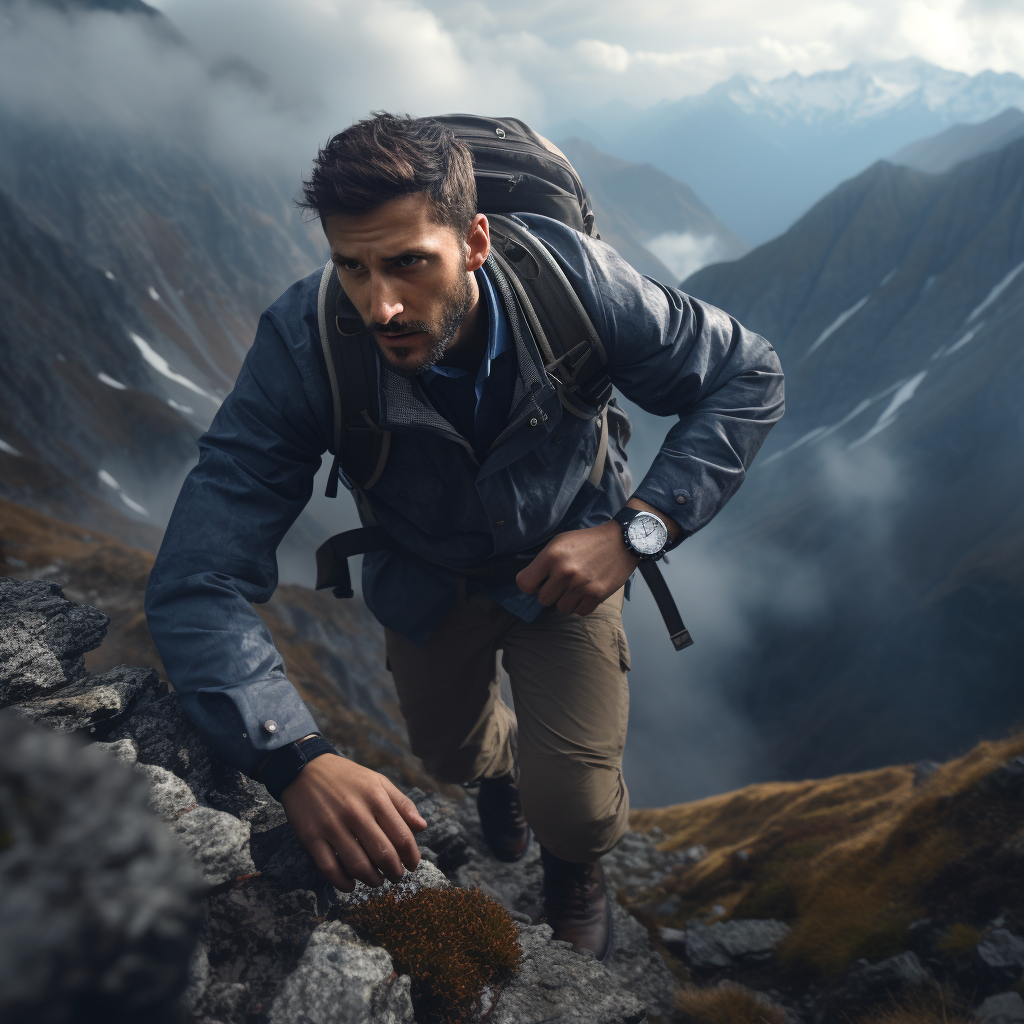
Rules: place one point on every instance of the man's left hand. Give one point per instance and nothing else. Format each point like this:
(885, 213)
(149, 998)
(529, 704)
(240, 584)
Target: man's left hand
(579, 570)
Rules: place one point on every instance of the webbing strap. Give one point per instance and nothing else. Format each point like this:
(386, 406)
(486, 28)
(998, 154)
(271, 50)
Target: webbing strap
(677, 632)
(597, 470)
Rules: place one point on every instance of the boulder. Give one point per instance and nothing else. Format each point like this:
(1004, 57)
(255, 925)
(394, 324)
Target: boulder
(43, 637)
(169, 797)
(555, 983)
(340, 977)
(93, 702)
(1000, 956)
(218, 841)
(720, 945)
(1004, 1008)
(101, 905)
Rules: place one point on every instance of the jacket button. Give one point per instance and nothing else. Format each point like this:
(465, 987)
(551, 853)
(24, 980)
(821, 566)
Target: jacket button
(500, 522)
(680, 499)
(270, 725)
(533, 422)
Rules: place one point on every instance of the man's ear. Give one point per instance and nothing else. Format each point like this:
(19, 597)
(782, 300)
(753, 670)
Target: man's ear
(478, 243)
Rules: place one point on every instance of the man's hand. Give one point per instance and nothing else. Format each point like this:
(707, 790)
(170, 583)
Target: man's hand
(580, 569)
(355, 823)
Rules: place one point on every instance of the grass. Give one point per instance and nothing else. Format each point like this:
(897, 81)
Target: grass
(453, 943)
(850, 862)
(933, 1007)
(725, 1004)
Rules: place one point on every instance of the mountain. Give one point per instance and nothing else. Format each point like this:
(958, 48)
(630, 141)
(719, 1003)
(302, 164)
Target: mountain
(760, 153)
(656, 223)
(880, 536)
(940, 152)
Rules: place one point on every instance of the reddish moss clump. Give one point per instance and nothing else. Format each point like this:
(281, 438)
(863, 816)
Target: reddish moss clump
(451, 942)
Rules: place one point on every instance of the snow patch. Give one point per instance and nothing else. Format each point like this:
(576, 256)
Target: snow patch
(161, 365)
(109, 275)
(837, 323)
(186, 409)
(902, 396)
(994, 294)
(888, 277)
(154, 294)
(110, 382)
(106, 478)
(685, 253)
(965, 339)
(10, 449)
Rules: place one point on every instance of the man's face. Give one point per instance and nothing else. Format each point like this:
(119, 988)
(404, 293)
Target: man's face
(409, 277)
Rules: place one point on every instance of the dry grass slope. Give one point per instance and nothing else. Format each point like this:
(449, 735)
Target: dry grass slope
(850, 862)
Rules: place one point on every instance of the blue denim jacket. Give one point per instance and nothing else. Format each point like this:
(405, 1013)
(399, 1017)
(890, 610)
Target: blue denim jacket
(671, 354)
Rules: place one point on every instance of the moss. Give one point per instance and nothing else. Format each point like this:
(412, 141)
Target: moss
(453, 943)
(726, 1004)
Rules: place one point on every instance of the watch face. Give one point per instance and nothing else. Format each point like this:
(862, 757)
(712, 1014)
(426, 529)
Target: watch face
(647, 534)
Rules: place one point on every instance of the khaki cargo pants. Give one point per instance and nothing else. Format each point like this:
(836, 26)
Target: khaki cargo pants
(568, 675)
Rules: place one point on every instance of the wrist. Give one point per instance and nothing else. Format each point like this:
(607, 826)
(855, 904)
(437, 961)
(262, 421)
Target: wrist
(285, 765)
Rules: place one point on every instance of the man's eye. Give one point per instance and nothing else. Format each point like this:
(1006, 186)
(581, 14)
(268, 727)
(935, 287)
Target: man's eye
(407, 261)
(348, 265)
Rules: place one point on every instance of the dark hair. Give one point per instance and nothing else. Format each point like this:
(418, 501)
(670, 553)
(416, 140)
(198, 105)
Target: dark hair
(385, 157)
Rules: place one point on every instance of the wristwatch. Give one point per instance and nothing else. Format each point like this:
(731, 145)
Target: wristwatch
(644, 533)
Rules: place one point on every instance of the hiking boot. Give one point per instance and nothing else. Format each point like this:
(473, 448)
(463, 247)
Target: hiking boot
(576, 903)
(501, 818)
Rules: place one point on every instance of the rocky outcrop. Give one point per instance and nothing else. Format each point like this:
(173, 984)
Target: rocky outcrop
(273, 942)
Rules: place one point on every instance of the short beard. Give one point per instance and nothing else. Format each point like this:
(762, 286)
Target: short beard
(454, 309)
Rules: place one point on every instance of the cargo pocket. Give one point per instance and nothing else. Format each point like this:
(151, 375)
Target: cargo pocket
(623, 650)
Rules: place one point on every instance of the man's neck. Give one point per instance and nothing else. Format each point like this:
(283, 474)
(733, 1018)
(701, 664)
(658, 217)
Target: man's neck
(466, 351)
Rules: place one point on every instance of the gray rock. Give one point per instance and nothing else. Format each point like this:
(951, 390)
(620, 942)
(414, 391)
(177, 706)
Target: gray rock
(557, 985)
(198, 978)
(218, 842)
(169, 796)
(101, 905)
(636, 966)
(1001, 955)
(1004, 1008)
(867, 982)
(426, 876)
(92, 701)
(341, 979)
(1005, 780)
(924, 770)
(124, 751)
(42, 639)
(709, 947)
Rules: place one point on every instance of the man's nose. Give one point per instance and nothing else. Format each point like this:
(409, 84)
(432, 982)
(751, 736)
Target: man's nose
(385, 304)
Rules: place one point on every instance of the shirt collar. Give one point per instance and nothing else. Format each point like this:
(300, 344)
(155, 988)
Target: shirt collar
(497, 333)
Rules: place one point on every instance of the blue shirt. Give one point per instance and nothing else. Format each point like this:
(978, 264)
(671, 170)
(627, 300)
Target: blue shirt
(478, 405)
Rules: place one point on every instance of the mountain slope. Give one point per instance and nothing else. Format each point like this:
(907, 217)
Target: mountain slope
(759, 153)
(657, 223)
(895, 479)
(940, 152)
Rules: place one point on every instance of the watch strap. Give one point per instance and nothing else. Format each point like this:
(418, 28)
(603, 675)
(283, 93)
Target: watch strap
(677, 632)
(284, 765)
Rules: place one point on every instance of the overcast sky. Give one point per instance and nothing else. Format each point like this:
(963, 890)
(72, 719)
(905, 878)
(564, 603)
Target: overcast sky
(550, 58)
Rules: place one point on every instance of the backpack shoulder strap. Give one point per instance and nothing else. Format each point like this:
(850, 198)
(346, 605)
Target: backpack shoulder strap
(573, 353)
(358, 444)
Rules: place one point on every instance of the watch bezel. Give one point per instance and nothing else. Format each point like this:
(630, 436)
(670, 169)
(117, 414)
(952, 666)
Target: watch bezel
(629, 541)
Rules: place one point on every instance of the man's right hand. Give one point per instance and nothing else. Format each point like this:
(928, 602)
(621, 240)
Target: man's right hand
(355, 823)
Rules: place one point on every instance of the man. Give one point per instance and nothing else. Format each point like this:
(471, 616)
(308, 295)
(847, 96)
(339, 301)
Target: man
(483, 461)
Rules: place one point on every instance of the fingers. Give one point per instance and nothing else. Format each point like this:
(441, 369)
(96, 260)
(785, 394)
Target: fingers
(380, 850)
(355, 858)
(327, 862)
(530, 579)
(405, 807)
